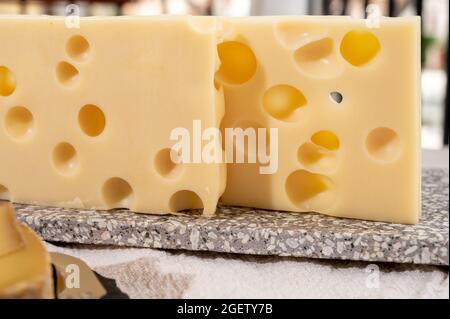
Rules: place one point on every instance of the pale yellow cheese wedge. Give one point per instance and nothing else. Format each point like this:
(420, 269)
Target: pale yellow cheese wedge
(87, 111)
(26, 272)
(344, 95)
(10, 235)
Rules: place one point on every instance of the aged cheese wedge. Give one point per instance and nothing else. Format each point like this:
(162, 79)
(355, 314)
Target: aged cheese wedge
(26, 271)
(86, 113)
(10, 236)
(345, 100)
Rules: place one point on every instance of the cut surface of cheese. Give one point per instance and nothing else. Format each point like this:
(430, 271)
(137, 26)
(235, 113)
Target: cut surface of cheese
(86, 114)
(26, 272)
(345, 99)
(10, 236)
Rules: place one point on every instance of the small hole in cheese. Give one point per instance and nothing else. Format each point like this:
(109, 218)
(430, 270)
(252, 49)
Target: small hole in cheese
(282, 101)
(336, 97)
(4, 193)
(383, 144)
(326, 139)
(310, 192)
(67, 74)
(19, 122)
(359, 47)
(316, 158)
(91, 120)
(65, 158)
(185, 200)
(7, 82)
(78, 48)
(238, 63)
(164, 164)
(117, 193)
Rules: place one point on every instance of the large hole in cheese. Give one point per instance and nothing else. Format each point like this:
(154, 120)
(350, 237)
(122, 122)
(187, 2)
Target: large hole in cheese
(77, 48)
(317, 158)
(164, 164)
(315, 51)
(310, 192)
(185, 200)
(320, 155)
(238, 63)
(4, 193)
(91, 120)
(326, 139)
(319, 59)
(117, 193)
(67, 74)
(7, 82)
(282, 102)
(19, 122)
(65, 158)
(383, 144)
(359, 47)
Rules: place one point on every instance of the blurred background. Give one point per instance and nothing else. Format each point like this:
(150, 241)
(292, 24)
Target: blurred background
(434, 36)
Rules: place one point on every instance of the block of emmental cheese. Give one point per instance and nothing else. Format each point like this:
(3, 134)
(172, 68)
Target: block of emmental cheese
(344, 96)
(25, 270)
(87, 112)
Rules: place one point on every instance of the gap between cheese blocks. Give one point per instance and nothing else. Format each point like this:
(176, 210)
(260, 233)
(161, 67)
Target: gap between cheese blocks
(344, 98)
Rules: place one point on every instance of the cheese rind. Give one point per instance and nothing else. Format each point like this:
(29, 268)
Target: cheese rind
(103, 106)
(351, 147)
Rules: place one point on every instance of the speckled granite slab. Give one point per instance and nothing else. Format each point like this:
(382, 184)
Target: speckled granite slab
(249, 231)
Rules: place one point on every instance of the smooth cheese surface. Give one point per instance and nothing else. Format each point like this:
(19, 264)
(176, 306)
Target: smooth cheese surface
(86, 113)
(26, 273)
(345, 100)
(10, 236)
